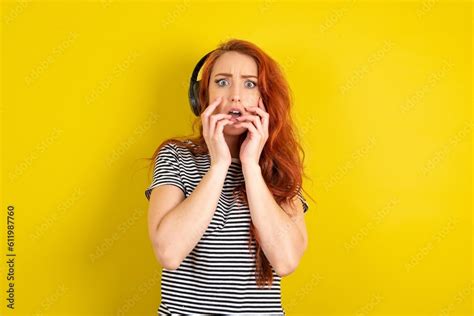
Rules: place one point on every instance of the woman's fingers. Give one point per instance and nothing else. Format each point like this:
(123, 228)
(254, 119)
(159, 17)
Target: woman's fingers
(220, 125)
(255, 119)
(249, 126)
(215, 118)
(260, 119)
(208, 112)
(213, 125)
(247, 117)
(251, 122)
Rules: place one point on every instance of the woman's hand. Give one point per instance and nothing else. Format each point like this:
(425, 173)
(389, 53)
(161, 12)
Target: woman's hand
(257, 126)
(213, 127)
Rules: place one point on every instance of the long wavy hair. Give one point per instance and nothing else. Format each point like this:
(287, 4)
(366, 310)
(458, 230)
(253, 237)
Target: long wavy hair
(280, 162)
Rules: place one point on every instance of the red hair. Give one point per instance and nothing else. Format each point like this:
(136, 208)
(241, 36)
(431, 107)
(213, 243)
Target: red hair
(280, 163)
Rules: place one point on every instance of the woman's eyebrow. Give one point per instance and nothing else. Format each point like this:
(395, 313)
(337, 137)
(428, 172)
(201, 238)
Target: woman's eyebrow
(230, 75)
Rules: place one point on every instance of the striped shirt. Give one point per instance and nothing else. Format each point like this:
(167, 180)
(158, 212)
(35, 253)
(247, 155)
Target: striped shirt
(218, 275)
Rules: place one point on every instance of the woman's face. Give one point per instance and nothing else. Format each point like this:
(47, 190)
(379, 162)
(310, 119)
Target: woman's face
(234, 78)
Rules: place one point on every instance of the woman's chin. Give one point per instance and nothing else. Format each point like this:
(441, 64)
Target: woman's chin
(234, 130)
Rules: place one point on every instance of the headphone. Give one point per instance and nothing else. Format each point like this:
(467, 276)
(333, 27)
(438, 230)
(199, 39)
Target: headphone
(193, 92)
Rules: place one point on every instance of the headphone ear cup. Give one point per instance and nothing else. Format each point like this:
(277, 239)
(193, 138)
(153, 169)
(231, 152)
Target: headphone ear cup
(193, 91)
(197, 105)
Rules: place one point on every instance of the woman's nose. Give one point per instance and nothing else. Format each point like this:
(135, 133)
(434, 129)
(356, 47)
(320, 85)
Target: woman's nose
(235, 93)
(235, 98)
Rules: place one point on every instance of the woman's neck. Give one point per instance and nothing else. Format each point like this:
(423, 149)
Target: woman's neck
(233, 141)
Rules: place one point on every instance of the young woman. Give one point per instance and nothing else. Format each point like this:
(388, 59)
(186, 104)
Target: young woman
(226, 213)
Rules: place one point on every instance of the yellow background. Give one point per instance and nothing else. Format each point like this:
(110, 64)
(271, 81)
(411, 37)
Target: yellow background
(382, 99)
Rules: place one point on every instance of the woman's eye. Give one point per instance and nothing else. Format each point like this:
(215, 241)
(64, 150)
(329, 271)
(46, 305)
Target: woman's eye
(253, 84)
(218, 82)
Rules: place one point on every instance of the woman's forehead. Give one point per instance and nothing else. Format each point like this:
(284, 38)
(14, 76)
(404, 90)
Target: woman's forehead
(235, 63)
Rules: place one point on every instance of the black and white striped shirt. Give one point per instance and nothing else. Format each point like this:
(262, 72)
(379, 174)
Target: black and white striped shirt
(218, 275)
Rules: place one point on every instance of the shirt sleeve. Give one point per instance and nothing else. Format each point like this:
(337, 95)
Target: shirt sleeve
(303, 200)
(166, 170)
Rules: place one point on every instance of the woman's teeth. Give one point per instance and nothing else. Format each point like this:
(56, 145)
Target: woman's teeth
(234, 115)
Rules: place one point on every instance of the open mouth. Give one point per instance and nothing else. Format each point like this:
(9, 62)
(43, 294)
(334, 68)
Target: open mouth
(235, 113)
